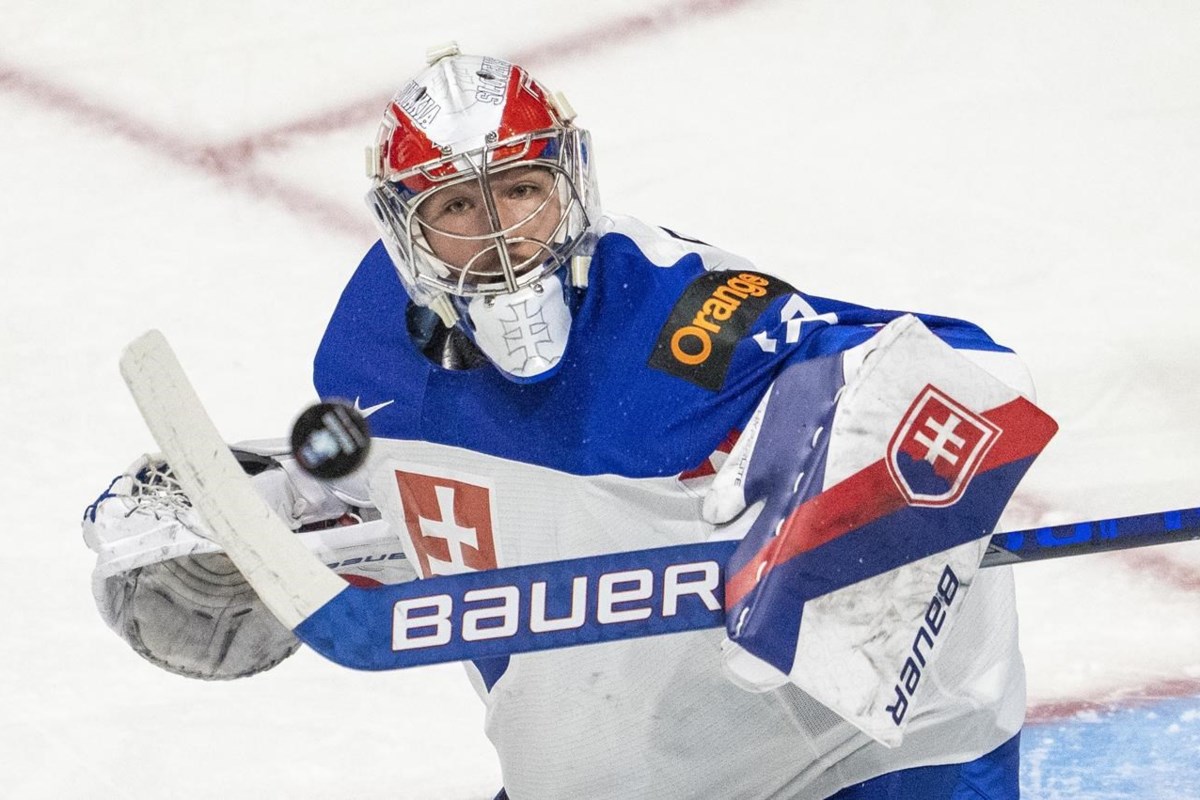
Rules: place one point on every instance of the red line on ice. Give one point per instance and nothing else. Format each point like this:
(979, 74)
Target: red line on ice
(1146, 694)
(1173, 575)
(613, 33)
(233, 162)
(1156, 563)
(231, 168)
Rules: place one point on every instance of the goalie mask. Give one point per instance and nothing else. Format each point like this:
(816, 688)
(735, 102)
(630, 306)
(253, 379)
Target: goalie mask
(483, 193)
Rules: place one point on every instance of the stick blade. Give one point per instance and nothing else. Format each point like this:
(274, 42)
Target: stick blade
(291, 581)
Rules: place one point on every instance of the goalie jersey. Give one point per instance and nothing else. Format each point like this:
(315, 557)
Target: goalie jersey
(674, 346)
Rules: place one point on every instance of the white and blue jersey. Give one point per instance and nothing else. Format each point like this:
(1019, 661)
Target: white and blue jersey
(673, 346)
(623, 401)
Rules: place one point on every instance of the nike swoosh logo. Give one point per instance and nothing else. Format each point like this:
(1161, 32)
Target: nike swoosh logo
(366, 412)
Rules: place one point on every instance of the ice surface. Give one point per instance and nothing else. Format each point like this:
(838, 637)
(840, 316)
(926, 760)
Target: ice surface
(1031, 166)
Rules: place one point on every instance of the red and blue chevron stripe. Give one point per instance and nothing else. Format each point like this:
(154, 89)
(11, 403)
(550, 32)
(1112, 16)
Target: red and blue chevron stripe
(862, 527)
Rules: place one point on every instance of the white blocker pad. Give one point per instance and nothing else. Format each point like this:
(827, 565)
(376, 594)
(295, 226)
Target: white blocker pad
(880, 496)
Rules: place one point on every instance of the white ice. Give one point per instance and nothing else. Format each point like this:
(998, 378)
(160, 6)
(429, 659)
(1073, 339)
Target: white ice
(1032, 166)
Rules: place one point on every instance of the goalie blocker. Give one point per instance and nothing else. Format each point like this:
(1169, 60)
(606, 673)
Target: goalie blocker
(850, 586)
(848, 583)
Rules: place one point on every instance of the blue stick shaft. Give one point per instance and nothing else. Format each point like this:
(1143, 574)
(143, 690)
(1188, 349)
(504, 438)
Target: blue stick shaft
(358, 627)
(1078, 538)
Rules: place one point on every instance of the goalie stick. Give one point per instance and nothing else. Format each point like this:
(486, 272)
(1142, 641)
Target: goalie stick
(498, 612)
(1094, 536)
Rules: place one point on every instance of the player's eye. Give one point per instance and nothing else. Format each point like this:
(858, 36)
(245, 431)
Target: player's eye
(524, 191)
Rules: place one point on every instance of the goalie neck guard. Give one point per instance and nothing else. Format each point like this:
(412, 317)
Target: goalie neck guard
(483, 191)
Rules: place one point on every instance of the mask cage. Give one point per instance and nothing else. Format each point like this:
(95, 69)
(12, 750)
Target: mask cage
(396, 199)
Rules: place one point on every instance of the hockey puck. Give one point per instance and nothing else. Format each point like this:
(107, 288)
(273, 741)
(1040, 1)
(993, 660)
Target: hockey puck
(330, 440)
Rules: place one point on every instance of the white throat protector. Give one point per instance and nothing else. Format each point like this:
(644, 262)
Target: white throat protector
(523, 333)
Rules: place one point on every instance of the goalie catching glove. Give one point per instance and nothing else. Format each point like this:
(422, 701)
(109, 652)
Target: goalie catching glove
(169, 591)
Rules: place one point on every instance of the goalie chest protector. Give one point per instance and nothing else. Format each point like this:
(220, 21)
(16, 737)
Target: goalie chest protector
(673, 345)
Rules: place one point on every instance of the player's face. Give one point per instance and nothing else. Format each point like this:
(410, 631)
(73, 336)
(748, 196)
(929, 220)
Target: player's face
(528, 207)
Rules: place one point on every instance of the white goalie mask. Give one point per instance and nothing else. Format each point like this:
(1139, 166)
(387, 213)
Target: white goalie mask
(483, 193)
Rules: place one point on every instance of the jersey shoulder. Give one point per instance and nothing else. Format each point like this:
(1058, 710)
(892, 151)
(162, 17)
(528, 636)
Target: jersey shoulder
(664, 247)
(366, 354)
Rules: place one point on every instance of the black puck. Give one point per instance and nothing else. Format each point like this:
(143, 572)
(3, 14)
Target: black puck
(330, 440)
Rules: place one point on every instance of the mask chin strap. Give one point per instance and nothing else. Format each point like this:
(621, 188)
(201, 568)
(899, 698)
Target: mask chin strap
(444, 308)
(580, 265)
